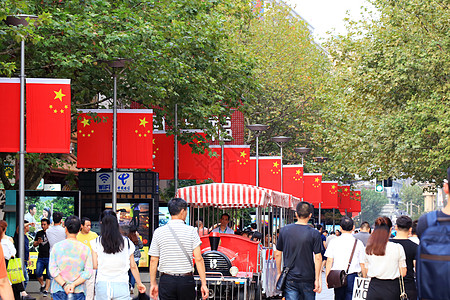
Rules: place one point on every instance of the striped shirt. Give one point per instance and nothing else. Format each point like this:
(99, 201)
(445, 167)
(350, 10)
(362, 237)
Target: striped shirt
(164, 245)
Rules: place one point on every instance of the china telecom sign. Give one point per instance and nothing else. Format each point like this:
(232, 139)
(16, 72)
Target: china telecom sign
(124, 182)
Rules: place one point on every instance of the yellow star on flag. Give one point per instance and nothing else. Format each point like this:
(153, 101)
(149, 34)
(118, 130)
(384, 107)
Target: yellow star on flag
(85, 122)
(143, 122)
(333, 186)
(297, 172)
(275, 164)
(59, 95)
(50, 106)
(243, 154)
(316, 179)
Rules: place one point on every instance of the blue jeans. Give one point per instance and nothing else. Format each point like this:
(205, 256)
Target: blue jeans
(298, 290)
(346, 292)
(63, 296)
(112, 290)
(41, 265)
(132, 281)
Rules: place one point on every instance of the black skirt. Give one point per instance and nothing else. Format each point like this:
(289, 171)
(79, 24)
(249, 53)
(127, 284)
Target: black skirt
(383, 289)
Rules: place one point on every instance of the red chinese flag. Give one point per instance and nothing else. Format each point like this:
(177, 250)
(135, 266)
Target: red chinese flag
(355, 201)
(215, 164)
(330, 195)
(164, 152)
(237, 164)
(94, 140)
(194, 166)
(344, 197)
(10, 119)
(270, 172)
(312, 188)
(252, 177)
(48, 115)
(135, 139)
(293, 180)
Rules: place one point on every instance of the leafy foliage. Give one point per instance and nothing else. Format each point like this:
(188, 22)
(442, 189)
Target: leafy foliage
(371, 204)
(390, 92)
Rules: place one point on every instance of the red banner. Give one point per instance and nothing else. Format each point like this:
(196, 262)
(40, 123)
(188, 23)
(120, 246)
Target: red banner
(293, 180)
(355, 201)
(10, 119)
(193, 165)
(94, 140)
(48, 115)
(344, 197)
(312, 188)
(237, 164)
(270, 172)
(330, 195)
(164, 152)
(135, 139)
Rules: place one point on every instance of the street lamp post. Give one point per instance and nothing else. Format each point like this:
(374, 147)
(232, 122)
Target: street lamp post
(321, 160)
(257, 129)
(115, 67)
(302, 151)
(280, 140)
(16, 21)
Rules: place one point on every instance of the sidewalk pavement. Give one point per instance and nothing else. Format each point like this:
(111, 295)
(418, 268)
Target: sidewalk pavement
(33, 288)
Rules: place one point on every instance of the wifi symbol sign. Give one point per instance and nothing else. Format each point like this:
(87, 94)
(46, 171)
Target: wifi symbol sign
(104, 177)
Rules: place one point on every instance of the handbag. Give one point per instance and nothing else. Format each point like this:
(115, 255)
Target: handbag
(281, 282)
(338, 278)
(403, 295)
(15, 271)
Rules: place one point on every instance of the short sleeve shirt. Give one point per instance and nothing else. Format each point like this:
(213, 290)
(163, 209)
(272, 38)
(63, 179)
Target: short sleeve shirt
(386, 266)
(340, 250)
(301, 241)
(228, 230)
(411, 251)
(164, 245)
(113, 267)
(44, 246)
(55, 234)
(87, 238)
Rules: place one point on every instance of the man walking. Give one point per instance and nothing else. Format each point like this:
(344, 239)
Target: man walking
(172, 247)
(338, 256)
(86, 236)
(41, 241)
(56, 233)
(70, 264)
(298, 242)
(364, 233)
(403, 227)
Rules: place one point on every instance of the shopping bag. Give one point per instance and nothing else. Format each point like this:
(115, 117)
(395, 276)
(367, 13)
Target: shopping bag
(15, 271)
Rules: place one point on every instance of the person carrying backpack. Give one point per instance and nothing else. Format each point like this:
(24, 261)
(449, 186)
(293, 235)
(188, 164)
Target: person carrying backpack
(433, 252)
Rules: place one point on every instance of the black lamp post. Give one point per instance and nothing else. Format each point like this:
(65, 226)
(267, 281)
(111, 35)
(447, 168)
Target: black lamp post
(24, 21)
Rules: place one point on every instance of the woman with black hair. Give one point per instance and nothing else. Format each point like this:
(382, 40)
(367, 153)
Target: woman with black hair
(385, 263)
(113, 256)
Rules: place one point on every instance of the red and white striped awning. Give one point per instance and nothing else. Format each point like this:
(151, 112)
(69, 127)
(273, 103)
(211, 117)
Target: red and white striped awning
(278, 199)
(294, 202)
(225, 195)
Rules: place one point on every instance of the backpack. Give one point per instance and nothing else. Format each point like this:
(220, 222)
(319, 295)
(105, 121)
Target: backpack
(433, 259)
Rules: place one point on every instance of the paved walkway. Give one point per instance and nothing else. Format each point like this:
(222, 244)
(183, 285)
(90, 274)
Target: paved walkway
(33, 289)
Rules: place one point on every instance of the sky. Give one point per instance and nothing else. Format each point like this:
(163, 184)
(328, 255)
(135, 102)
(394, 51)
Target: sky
(327, 15)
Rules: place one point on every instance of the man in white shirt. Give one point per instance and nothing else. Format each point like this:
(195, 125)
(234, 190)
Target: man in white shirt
(56, 233)
(338, 256)
(222, 227)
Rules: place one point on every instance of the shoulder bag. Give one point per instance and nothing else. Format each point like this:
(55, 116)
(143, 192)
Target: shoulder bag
(338, 278)
(281, 282)
(189, 258)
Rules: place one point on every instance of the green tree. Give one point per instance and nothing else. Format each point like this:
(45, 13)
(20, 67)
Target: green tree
(182, 52)
(371, 204)
(291, 70)
(414, 194)
(389, 92)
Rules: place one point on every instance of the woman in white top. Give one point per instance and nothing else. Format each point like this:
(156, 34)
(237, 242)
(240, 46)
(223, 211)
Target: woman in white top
(384, 262)
(9, 250)
(113, 256)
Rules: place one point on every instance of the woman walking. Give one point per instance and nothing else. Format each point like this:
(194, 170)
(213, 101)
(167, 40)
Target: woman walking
(385, 262)
(113, 256)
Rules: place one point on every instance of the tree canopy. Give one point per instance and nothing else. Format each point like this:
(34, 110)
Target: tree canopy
(391, 88)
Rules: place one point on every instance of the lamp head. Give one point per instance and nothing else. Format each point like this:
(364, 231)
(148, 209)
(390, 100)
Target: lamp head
(257, 127)
(302, 150)
(19, 19)
(281, 139)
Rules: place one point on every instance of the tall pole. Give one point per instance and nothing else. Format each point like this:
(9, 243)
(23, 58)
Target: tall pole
(114, 171)
(280, 140)
(258, 220)
(222, 162)
(176, 150)
(22, 151)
